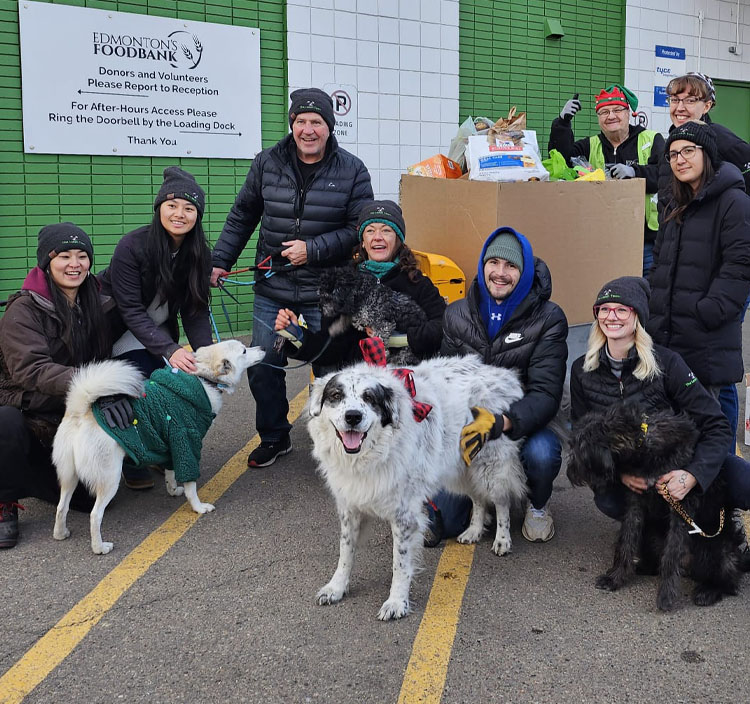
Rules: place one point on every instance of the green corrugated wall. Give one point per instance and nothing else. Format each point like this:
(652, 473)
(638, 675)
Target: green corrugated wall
(506, 60)
(106, 195)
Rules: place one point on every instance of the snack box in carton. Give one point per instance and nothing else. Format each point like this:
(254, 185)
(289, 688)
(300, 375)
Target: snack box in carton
(438, 166)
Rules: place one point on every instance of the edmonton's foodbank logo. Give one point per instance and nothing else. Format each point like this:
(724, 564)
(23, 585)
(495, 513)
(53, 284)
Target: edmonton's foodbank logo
(181, 49)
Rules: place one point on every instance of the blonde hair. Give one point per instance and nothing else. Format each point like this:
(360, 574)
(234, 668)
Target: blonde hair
(647, 368)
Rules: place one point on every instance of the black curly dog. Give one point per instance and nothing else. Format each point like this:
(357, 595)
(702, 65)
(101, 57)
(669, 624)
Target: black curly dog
(356, 298)
(622, 440)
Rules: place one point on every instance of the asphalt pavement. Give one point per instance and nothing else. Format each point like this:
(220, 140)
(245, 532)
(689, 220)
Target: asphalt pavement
(227, 612)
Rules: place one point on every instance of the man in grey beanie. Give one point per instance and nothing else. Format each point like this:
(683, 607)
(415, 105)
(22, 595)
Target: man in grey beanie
(306, 193)
(508, 319)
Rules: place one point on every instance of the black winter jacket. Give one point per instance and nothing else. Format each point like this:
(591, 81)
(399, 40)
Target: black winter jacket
(342, 350)
(323, 213)
(676, 388)
(731, 148)
(701, 278)
(532, 341)
(131, 280)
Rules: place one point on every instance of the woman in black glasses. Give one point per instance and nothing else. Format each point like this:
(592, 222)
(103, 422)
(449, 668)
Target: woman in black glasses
(691, 97)
(701, 274)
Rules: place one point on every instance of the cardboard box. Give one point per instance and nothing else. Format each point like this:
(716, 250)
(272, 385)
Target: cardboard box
(587, 233)
(437, 166)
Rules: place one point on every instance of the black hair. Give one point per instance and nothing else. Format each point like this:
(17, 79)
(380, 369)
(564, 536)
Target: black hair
(683, 193)
(84, 327)
(182, 279)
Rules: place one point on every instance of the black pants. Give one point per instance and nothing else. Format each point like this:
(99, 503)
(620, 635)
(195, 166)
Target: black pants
(26, 467)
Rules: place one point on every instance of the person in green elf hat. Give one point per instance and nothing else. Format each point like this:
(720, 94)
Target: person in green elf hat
(625, 150)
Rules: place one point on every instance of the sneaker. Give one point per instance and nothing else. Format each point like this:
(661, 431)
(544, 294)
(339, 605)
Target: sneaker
(137, 478)
(433, 534)
(267, 452)
(538, 526)
(9, 523)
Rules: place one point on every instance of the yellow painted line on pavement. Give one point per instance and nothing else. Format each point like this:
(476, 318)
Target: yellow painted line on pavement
(424, 680)
(53, 647)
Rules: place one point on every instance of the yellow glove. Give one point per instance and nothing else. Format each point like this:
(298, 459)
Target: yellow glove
(476, 433)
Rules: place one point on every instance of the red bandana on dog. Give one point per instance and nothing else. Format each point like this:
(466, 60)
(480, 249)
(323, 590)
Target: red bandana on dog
(373, 352)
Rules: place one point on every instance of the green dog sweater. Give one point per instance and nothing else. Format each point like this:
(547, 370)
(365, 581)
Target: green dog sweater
(170, 422)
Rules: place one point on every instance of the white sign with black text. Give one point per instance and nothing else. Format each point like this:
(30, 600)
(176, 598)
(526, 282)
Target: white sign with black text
(101, 82)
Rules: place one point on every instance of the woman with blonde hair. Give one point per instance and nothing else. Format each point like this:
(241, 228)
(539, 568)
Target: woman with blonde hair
(622, 364)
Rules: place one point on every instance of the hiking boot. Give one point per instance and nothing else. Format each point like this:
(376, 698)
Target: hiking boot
(9, 523)
(538, 526)
(267, 452)
(137, 478)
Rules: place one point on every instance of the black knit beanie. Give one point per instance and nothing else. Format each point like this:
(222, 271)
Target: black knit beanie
(61, 237)
(312, 100)
(385, 211)
(178, 183)
(698, 133)
(633, 291)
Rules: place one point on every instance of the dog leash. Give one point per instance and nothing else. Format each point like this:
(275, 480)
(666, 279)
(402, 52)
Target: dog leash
(682, 513)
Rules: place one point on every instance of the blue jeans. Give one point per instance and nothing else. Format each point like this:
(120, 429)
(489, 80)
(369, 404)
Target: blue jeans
(735, 471)
(648, 257)
(268, 385)
(730, 407)
(542, 457)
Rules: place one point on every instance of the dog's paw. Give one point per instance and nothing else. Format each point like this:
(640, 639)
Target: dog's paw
(470, 536)
(607, 583)
(706, 596)
(60, 534)
(329, 595)
(393, 609)
(103, 548)
(501, 547)
(201, 507)
(175, 490)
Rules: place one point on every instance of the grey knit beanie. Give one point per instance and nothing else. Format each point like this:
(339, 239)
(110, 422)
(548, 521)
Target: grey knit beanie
(633, 291)
(61, 237)
(505, 246)
(179, 183)
(312, 100)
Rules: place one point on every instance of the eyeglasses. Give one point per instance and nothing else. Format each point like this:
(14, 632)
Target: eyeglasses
(686, 152)
(687, 102)
(621, 312)
(614, 111)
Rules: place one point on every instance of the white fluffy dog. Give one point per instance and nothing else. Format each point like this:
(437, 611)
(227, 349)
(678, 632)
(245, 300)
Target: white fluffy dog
(379, 461)
(83, 451)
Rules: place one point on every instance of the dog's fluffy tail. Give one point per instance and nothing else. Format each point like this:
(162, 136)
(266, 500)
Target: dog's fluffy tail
(98, 379)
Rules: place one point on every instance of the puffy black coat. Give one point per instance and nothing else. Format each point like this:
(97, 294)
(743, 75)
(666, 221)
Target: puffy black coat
(131, 280)
(323, 213)
(342, 350)
(532, 341)
(731, 148)
(676, 388)
(701, 278)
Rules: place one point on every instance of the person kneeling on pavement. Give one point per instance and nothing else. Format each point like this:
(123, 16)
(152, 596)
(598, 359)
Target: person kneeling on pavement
(507, 319)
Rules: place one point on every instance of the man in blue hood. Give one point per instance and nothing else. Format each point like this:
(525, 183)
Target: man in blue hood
(509, 321)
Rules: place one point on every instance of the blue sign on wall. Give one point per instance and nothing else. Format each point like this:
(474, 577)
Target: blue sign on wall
(670, 52)
(660, 97)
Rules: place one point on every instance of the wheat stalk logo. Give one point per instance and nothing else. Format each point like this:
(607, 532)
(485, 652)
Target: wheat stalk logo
(192, 53)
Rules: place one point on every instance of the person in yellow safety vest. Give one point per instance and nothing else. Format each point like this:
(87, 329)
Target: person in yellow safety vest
(622, 149)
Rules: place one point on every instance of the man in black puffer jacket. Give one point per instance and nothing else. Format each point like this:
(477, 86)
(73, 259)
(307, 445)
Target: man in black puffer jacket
(509, 321)
(306, 192)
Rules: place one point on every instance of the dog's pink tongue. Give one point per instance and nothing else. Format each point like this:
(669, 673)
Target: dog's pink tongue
(351, 439)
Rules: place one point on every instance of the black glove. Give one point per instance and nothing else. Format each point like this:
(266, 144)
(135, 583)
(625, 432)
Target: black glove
(117, 411)
(485, 426)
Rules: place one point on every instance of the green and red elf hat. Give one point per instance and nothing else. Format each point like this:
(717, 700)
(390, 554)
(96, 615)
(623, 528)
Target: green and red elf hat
(616, 94)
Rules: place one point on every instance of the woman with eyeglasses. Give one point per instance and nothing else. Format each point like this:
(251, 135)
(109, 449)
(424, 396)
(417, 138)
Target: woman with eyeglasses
(701, 274)
(622, 364)
(691, 97)
(623, 149)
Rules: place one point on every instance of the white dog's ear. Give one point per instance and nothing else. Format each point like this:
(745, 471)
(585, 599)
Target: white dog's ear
(321, 389)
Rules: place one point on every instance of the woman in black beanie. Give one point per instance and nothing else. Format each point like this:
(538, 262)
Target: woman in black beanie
(157, 273)
(55, 323)
(701, 274)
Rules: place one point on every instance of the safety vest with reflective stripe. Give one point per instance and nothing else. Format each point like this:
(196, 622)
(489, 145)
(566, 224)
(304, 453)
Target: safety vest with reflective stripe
(645, 142)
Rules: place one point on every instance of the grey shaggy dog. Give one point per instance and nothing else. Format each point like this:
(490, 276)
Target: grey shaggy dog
(623, 440)
(358, 299)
